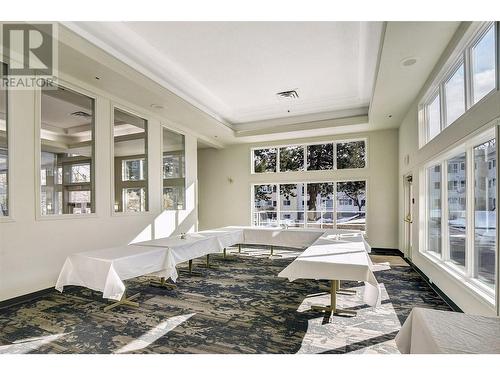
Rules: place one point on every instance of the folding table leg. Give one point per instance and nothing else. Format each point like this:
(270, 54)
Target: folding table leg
(272, 253)
(207, 264)
(226, 257)
(162, 284)
(333, 303)
(348, 292)
(124, 301)
(239, 248)
(190, 269)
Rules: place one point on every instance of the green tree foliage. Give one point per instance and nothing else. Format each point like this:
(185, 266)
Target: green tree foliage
(351, 155)
(291, 158)
(320, 157)
(354, 190)
(265, 160)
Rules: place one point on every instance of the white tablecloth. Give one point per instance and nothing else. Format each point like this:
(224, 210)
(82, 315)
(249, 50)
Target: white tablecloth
(105, 269)
(181, 250)
(330, 259)
(428, 331)
(296, 238)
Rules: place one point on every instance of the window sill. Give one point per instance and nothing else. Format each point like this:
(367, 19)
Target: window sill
(481, 291)
(66, 216)
(6, 219)
(124, 214)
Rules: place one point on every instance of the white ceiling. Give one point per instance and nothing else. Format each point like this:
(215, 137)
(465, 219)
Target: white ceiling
(232, 70)
(149, 79)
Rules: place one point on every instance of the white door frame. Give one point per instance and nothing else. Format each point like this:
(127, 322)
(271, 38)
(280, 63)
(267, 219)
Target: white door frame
(408, 215)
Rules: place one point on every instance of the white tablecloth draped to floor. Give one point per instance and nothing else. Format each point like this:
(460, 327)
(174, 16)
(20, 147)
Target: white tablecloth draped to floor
(427, 331)
(105, 269)
(331, 259)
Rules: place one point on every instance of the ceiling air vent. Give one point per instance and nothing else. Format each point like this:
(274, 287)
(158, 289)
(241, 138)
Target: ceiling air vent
(290, 94)
(80, 114)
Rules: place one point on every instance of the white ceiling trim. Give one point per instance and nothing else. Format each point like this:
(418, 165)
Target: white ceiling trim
(73, 26)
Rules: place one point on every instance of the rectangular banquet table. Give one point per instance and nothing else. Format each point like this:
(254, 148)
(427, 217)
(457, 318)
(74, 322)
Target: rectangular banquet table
(335, 260)
(105, 269)
(427, 331)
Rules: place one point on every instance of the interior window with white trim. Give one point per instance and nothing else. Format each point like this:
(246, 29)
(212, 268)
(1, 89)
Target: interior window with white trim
(67, 153)
(174, 170)
(130, 138)
(4, 151)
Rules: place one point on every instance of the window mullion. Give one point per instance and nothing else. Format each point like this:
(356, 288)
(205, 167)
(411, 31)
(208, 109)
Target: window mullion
(470, 222)
(445, 251)
(442, 106)
(278, 159)
(468, 78)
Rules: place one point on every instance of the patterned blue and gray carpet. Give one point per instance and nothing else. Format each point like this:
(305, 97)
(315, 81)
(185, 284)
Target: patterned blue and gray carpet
(240, 307)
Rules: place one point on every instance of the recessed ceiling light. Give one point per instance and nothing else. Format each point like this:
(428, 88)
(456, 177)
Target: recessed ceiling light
(409, 61)
(97, 78)
(390, 116)
(157, 106)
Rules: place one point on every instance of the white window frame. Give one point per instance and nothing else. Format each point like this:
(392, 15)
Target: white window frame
(304, 146)
(123, 108)
(10, 163)
(38, 150)
(461, 54)
(463, 274)
(305, 183)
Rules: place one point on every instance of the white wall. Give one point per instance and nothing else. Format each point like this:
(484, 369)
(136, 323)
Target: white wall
(223, 203)
(32, 250)
(476, 118)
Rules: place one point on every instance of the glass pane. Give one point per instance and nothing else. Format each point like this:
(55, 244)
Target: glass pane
(434, 118)
(351, 205)
(130, 136)
(434, 184)
(320, 205)
(67, 153)
(133, 170)
(134, 199)
(264, 160)
(320, 157)
(483, 65)
(457, 206)
(265, 201)
(351, 155)
(455, 96)
(291, 158)
(292, 205)
(485, 178)
(173, 170)
(4, 165)
(79, 201)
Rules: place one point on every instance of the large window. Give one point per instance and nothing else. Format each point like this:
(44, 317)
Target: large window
(483, 57)
(466, 80)
(461, 211)
(315, 205)
(351, 205)
(174, 184)
(434, 117)
(67, 153)
(320, 205)
(130, 135)
(485, 213)
(434, 209)
(4, 154)
(310, 157)
(264, 209)
(351, 155)
(291, 158)
(457, 205)
(454, 92)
